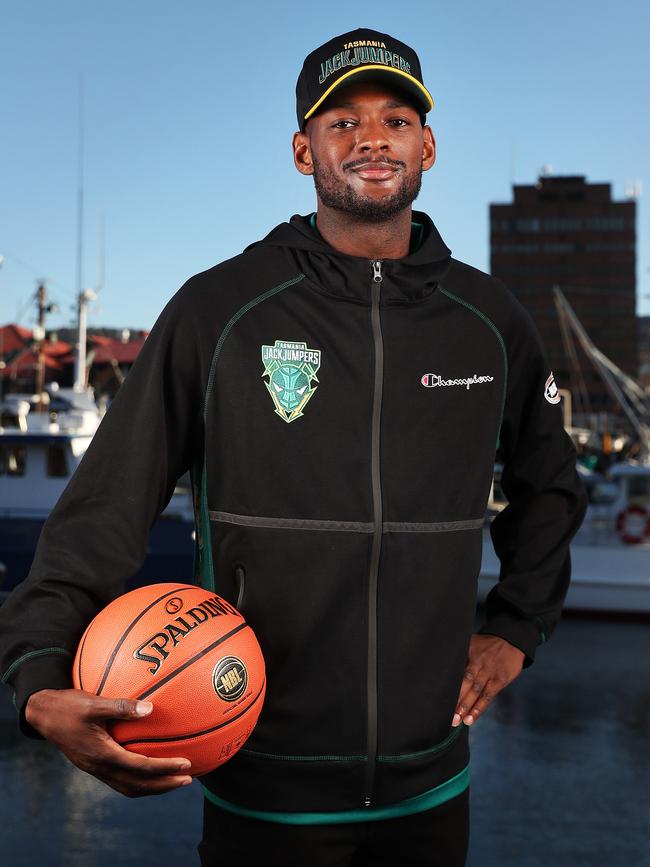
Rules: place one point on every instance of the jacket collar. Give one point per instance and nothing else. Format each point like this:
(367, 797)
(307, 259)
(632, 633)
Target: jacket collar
(407, 280)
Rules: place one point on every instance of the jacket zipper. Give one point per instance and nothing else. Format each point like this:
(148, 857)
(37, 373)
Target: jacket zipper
(377, 277)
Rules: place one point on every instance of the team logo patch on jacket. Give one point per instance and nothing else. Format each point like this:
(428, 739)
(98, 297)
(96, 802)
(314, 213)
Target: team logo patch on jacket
(291, 369)
(551, 393)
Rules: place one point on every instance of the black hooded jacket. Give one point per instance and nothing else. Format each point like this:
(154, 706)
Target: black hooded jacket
(341, 418)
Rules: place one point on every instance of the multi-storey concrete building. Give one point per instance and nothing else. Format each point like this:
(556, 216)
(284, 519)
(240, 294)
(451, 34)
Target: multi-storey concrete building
(565, 231)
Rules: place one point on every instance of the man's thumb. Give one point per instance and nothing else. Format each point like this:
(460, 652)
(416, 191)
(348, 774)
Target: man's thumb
(127, 708)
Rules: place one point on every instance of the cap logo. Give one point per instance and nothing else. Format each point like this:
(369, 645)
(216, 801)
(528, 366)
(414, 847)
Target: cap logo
(364, 52)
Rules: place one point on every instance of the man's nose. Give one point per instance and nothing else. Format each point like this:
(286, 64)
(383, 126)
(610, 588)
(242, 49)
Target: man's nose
(371, 136)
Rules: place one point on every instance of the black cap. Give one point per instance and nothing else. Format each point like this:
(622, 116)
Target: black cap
(360, 55)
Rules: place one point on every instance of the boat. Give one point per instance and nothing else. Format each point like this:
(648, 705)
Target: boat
(39, 452)
(610, 553)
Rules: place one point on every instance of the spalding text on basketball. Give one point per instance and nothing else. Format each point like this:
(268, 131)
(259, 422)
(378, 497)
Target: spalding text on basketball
(173, 632)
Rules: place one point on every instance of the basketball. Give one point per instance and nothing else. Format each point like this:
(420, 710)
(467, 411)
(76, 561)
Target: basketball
(190, 653)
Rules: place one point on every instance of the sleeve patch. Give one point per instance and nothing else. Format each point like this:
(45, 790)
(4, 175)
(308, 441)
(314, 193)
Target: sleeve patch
(551, 393)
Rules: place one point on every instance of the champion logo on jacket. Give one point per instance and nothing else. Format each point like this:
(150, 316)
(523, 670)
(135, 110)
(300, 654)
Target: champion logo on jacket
(431, 380)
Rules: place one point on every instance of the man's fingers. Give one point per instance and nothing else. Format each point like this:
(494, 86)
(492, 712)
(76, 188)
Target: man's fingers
(77, 722)
(481, 702)
(116, 708)
(492, 663)
(115, 758)
(476, 694)
(471, 686)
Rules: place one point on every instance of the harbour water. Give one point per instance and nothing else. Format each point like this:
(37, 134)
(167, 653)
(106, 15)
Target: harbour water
(560, 774)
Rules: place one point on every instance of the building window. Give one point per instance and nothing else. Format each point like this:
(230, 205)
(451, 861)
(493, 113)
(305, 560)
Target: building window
(57, 464)
(606, 224)
(558, 247)
(501, 226)
(528, 224)
(562, 224)
(12, 460)
(610, 247)
(515, 248)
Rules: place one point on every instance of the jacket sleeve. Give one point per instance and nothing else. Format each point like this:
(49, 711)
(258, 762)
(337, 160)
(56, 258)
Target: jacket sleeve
(546, 499)
(96, 535)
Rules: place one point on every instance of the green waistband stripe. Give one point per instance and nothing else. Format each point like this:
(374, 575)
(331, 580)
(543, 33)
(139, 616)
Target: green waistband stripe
(417, 804)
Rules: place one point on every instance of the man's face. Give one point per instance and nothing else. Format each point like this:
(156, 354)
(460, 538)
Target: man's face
(367, 150)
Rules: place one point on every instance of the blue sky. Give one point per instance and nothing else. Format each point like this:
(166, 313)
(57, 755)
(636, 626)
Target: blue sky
(189, 112)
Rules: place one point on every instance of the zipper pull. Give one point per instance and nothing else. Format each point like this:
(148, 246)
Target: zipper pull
(376, 270)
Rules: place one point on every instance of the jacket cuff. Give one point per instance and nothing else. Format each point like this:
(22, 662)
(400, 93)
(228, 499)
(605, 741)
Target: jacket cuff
(53, 671)
(523, 632)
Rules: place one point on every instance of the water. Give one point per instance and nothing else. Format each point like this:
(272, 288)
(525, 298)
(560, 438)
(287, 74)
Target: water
(560, 774)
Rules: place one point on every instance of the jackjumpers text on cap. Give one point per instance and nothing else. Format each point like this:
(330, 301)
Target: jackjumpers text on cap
(361, 55)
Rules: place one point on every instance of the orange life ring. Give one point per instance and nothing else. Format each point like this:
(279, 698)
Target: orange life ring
(633, 524)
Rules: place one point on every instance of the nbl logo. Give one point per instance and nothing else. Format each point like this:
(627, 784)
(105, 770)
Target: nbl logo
(230, 678)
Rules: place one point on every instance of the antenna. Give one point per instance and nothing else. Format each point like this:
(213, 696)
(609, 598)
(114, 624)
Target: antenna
(80, 179)
(513, 162)
(101, 267)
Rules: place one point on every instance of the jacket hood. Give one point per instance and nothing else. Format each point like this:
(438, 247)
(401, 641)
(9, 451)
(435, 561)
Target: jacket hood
(409, 279)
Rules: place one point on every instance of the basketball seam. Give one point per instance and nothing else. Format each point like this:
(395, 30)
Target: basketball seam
(192, 660)
(198, 734)
(81, 650)
(122, 639)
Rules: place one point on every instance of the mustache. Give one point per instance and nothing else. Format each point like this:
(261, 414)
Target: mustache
(384, 161)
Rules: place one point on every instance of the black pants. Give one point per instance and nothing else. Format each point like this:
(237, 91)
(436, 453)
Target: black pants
(435, 838)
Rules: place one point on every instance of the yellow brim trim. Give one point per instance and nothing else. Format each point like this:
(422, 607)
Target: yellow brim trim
(367, 66)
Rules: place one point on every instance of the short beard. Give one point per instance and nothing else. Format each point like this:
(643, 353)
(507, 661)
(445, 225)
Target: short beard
(341, 196)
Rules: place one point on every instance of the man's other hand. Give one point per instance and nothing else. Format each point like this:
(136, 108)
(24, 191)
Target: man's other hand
(492, 663)
(76, 722)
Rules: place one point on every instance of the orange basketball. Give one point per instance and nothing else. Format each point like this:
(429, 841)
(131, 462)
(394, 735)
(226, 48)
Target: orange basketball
(191, 654)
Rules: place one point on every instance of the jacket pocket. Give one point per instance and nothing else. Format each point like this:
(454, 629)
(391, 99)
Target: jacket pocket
(240, 587)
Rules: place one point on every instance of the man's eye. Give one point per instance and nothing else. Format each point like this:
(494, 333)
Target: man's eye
(399, 122)
(342, 124)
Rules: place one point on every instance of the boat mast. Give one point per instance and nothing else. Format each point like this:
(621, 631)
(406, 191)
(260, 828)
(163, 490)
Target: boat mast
(627, 394)
(84, 296)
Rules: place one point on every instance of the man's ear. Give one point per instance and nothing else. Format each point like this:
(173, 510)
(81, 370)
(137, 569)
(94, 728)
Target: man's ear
(302, 155)
(428, 149)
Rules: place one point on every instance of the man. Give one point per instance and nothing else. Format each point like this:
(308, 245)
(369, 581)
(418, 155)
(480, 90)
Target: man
(339, 392)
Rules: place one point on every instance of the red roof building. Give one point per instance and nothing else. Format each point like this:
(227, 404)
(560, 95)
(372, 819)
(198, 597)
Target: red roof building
(109, 359)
